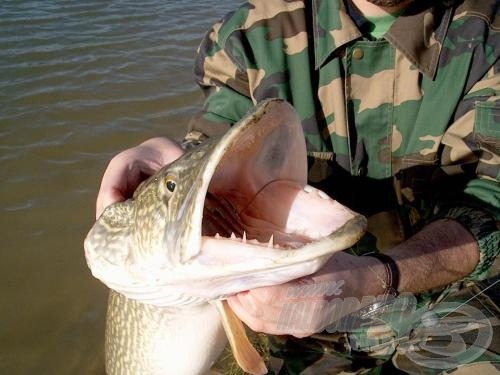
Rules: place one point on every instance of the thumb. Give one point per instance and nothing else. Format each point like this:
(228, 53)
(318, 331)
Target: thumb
(106, 198)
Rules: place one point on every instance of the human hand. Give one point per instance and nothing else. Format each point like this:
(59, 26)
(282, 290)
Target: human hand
(130, 167)
(305, 306)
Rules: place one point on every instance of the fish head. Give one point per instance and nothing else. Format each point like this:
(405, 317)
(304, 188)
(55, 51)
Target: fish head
(233, 214)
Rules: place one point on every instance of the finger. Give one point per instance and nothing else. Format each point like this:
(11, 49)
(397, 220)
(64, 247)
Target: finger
(275, 317)
(107, 198)
(118, 182)
(245, 313)
(259, 315)
(248, 306)
(127, 169)
(162, 150)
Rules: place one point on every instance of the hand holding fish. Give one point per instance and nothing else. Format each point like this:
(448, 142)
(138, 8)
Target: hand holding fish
(299, 307)
(422, 264)
(130, 167)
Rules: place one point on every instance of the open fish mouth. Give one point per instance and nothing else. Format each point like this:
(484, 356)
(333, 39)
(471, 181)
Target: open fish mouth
(258, 197)
(241, 216)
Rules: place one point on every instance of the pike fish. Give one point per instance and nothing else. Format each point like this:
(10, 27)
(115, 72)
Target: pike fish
(233, 214)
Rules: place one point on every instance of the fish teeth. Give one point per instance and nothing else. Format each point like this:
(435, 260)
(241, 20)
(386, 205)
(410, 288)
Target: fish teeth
(217, 235)
(271, 241)
(244, 239)
(233, 236)
(323, 195)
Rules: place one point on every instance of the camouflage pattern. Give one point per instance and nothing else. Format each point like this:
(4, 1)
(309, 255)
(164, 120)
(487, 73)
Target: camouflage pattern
(347, 352)
(404, 129)
(375, 141)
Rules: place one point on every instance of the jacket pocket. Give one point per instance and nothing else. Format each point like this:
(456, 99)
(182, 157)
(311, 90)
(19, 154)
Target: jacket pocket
(487, 137)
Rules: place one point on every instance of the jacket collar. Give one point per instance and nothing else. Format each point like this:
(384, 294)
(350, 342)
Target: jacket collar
(418, 33)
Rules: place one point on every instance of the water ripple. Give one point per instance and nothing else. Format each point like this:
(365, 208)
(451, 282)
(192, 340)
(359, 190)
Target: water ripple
(79, 81)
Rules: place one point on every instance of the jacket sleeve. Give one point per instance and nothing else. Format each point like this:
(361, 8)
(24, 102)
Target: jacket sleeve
(221, 73)
(473, 142)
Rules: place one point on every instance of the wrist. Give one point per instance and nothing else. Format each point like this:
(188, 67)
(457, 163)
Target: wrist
(363, 277)
(441, 253)
(390, 276)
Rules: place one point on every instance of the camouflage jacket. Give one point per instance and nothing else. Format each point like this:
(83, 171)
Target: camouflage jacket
(404, 129)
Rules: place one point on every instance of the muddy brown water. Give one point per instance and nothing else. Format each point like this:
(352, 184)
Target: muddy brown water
(79, 81)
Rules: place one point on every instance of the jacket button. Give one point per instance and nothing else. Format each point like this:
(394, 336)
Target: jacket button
(358, 53)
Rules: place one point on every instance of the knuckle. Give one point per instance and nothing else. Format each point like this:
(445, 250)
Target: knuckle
(256, 325)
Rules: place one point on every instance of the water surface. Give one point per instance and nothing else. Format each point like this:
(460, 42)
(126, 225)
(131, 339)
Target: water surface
(79, 81)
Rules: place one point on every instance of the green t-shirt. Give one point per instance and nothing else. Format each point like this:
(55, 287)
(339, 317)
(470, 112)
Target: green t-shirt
(378, 26)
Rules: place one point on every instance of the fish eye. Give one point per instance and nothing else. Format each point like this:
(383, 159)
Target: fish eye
(170, 183)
